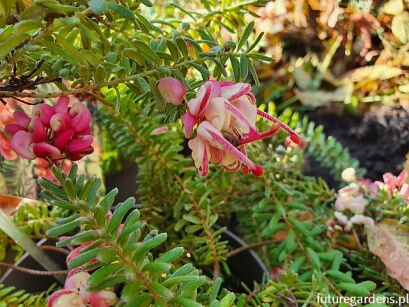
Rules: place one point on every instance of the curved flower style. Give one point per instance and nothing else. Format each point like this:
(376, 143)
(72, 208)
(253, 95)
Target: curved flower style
(53, 133)
(225, 115)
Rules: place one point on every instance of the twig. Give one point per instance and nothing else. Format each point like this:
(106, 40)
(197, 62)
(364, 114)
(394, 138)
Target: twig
(242, 249)
(111, 83)
(31, 271)
(55, 248)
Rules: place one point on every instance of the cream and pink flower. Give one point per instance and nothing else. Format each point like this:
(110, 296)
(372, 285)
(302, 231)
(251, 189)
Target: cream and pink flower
(395, 185)
(223, 115)
(75, 293)
(52, 133)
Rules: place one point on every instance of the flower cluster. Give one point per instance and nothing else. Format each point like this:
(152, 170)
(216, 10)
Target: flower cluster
(53, 133)
(75, 293)
(6, 117)
(395, 185)
(224, 114)
(352, 198)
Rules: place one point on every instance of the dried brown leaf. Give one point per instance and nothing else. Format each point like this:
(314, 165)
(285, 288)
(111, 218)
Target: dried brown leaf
(390, 242)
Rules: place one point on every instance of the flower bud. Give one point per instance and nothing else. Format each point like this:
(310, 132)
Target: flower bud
(349, 175)
(65, 298)
(172, 90)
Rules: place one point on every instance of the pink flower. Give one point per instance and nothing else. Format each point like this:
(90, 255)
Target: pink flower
(52, 133)
(395, 185)
(65, 298)
(225, 116)
(172, 90)
(75, 293)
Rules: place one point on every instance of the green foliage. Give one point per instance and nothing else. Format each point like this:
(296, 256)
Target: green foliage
(33, 220)
(326, 150)
(11, 178)
(130, 256)
(102, 44)
(10, 297)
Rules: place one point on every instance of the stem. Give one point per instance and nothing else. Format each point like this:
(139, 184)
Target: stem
(31, 271)
(247, 247)
(28, 245)
(55, 249)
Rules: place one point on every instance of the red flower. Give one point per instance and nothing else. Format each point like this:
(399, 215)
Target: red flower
(52, 133)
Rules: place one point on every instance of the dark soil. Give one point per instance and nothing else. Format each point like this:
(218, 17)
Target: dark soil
(379, 139)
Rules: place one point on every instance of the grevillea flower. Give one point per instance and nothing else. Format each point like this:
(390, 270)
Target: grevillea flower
(351, 198)
(75, 293)
(172, 90)
(395, 185)
(52, 133)
(225, 116)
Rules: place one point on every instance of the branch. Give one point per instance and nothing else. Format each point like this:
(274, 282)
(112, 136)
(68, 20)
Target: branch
(247, 247)
(112, 83)
(31, 271)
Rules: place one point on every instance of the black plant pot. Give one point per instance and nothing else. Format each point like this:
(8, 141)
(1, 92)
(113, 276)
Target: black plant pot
(33, 283)
(245, 267)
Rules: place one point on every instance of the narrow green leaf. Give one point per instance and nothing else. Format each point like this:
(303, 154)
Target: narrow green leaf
(98, 6)
(147, 51)
(236, 68)
(245, 36)
(123, 11)
(244, 65)
(151, 243)
(119, 213)
(64, 228)
(171, 255)
(182, 47)
(108, 200)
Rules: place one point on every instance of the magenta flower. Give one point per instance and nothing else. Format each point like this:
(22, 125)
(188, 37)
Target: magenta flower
(172, 90)
(53, 133)
(225, 116)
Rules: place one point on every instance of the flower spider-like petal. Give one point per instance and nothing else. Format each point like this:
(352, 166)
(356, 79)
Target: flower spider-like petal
(200, 154)
(197, 106)
(189, 121)
(215, 138)
(293, 135)
(235, 91)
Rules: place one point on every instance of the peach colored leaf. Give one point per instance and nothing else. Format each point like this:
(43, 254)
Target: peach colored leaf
(400, 27)
(390, 242)
(375, 72)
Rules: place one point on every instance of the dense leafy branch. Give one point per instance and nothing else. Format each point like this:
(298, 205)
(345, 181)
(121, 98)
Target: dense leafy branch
(121, 256)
